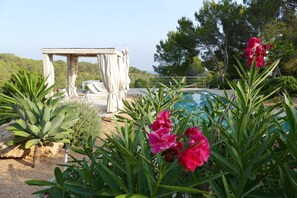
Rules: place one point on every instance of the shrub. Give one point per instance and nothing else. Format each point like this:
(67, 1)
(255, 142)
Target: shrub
(140, 83)
(244, 134)
(286, 84)
(213, 79)
(88, 125)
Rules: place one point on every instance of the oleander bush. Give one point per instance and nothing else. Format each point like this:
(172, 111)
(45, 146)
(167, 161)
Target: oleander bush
(156, 99)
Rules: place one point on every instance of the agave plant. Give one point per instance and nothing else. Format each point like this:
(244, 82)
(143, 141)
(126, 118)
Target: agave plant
(42, 122)
(22, 84)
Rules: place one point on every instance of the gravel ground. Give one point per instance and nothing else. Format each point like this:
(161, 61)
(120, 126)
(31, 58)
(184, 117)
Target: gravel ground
(14, 172)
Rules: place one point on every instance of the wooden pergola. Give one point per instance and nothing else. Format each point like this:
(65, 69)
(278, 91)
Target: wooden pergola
(72, 55)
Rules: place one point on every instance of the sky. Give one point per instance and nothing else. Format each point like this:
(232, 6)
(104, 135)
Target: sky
(27, 26)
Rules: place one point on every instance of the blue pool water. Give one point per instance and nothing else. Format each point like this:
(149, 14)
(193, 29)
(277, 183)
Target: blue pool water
(193, 101)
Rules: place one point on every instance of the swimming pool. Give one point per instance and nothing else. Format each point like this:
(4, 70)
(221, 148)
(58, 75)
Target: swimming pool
(194, 100)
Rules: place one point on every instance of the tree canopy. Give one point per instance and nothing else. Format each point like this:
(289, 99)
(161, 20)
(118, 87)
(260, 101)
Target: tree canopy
(221, 32)
(176, 54)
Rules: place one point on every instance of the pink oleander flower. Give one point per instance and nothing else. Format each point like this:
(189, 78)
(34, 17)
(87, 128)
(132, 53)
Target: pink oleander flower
(253, 42)
(249, 53)
(196, 153)
(162, 121)
(259, 61)
(192, 131)
(172, 152)
(161, 140)
(256, 50)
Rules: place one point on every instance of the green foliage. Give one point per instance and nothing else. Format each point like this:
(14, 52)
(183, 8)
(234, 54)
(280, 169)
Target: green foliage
(41, 122)
(24, 84)
(213, 81)
(88, 125)
(140, 83)
(135, 70)
(196, 67)
(288, 139)
(245, 135)
(156, 99)
(221, 32)
(10, 64)
(175, 55)
(123, 166)
(266, 10)
(282, 37)
(140, 79)
(28, 84)
(285, 84)
(289, 66)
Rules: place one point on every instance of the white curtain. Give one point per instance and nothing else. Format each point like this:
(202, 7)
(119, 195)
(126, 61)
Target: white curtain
(109, 68)
(121, 81)
(123, 63)
(126, 68)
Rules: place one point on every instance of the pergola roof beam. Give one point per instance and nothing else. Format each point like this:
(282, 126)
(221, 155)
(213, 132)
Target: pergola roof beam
(88, 52)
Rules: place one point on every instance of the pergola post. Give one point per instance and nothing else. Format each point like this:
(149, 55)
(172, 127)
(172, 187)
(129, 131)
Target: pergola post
(48, 69)
(72, 68)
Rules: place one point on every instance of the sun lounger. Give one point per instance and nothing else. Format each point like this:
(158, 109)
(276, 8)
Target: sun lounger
(92, 88)
(99, 86)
